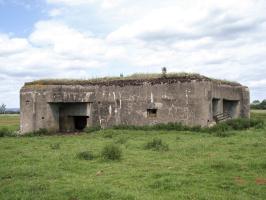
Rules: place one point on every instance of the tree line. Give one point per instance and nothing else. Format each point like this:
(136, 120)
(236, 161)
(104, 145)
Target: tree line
(258, 105)
(4, 110)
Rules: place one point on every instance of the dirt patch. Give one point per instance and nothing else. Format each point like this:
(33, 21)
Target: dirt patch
(211, 155)
(240, 181)
(260, 181)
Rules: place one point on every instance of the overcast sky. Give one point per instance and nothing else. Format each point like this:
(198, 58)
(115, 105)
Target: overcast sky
(92, 38)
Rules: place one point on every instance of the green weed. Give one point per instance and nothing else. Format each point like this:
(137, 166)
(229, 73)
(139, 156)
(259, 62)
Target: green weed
(55, 146)
(85, 155)
(111, 152)
(157, 144)
(92, 129)
(121, 139)
(6, 132)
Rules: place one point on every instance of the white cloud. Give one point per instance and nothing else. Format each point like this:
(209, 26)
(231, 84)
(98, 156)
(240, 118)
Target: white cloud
(202, 38)
(71, 2)
(52, 50)
(191, 23)
(105, 4)
(110, 4)
(258, 83)
(66, 41)
(223, 40)
(12, 46)
(55, 12)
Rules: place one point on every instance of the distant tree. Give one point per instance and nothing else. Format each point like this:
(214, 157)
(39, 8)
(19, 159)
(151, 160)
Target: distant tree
(256, 102)
(261, 105)
(3, 109)
(121, 75)
(164, 71)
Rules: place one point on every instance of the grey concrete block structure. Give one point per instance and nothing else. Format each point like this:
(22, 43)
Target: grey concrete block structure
(70, 105)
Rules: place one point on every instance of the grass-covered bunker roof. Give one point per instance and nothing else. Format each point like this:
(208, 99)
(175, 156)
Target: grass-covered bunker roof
(135, 79)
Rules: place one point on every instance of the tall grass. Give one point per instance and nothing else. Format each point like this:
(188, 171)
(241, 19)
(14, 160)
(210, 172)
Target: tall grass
(40, 132)
(85, 155)
(111, 152)
(157, 145)
(233, 124)
(92, 129)
(6, 132)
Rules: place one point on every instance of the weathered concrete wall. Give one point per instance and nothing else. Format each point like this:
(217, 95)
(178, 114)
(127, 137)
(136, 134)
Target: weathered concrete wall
(186, 102)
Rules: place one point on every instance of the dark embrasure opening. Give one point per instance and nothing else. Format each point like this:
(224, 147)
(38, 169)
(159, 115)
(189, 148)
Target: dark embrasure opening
(80, 122)
(152, 112)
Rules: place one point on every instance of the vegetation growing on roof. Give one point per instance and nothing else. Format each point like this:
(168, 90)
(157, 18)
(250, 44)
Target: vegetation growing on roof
(134, 79)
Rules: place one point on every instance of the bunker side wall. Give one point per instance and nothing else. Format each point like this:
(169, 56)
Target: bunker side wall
(238, 94)
(36, 113)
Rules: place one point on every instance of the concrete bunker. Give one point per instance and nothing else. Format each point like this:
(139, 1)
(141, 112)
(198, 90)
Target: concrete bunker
(72, 105)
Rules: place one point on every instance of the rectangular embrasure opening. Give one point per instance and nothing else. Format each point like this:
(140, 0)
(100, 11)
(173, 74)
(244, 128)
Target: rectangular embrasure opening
(230, 107)
(215, 107)
(152, 112)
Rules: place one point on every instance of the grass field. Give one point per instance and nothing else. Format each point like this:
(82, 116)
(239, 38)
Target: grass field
(9, 121)
(196, 166)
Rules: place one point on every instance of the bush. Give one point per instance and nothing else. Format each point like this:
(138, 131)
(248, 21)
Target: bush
(42, 131)
(111, 152)
(223, 134)
(257, 123)
(168, 126)
(196, 128)
(3, 132)
(220, 127)
(55, 146)
(85, 155)
(6, 132)
(92, 129)
(108, 135)
(121, 140)
(157, 145)
(233, 124)
(238, 124)
(128, 127)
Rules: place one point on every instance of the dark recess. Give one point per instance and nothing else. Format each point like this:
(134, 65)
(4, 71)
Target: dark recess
(152, 112)
(80, 122)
